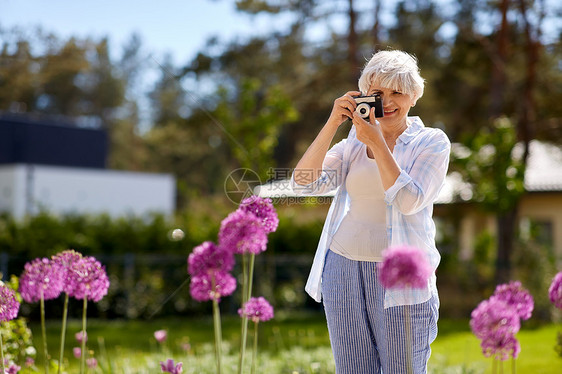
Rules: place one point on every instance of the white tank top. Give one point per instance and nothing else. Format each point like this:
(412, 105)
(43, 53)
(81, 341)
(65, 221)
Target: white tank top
(362, 232)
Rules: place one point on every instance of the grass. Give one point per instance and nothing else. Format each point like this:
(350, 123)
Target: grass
(290, 343)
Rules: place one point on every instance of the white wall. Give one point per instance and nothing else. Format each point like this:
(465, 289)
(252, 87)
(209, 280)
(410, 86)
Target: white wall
(28, 188)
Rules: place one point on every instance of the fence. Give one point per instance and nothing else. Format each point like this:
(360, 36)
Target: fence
(155, 285)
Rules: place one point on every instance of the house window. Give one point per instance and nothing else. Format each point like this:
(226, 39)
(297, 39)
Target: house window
(539, 231)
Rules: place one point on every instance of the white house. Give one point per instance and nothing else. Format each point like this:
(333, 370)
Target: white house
(53, 164)
(26, 189)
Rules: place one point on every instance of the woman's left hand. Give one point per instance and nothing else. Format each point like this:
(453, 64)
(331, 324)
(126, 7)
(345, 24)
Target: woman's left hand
(370, 132)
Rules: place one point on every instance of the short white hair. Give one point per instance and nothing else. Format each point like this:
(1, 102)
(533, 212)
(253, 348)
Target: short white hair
(396, 70)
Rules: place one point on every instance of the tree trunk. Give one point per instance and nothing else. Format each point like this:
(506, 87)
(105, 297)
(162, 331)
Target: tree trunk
(376, 26)
(498, 80)
(506, 237)
(352, 46)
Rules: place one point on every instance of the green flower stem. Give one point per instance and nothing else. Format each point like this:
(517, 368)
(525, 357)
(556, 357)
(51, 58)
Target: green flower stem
(218, 334)
(63, 331)
(255, 353)
(44, 334)
(83, 355)
(244, 325)
(2, 352)
(513, 367)
(247, 279)
(494, 366)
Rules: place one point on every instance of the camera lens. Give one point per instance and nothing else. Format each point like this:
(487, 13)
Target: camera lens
(363, 110)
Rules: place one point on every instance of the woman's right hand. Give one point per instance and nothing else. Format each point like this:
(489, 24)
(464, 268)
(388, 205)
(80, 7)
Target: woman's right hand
(343, 109)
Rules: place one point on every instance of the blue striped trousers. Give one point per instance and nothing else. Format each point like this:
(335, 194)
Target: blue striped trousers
(365, 337)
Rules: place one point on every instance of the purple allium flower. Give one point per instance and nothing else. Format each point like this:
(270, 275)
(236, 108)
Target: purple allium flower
(263, 209)
(257, 309)
(90, 279)
(209, 257)
(79, 336)
(502, 348)
(555, 291)
(212, 286)
(9, 305)
(242, 232)
(66, 260)
(516, 297)
(13, 369)
(29, 361)
(170, 367)
(77, 352)
(40, 277)
(92, 363)
(160, 336)
(404, 266)
(494, 319)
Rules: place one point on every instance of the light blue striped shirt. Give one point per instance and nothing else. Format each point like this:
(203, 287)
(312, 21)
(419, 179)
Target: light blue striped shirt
(423, 156)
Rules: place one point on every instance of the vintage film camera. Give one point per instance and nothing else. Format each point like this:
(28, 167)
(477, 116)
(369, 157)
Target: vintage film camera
(365, 103)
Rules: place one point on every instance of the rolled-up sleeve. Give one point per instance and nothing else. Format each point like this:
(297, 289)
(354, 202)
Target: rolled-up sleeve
(330, 178)
(418, 185)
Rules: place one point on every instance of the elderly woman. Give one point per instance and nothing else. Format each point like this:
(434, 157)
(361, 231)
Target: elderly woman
(387, 173)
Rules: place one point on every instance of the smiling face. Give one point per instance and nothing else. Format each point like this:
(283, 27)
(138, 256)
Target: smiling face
(396, 106)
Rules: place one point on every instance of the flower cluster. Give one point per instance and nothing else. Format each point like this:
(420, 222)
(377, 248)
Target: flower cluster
(257, 309)
(66, 261)
(69, 272)
(209, 266)
(243, 232)
(170, 367)
(9, 305)
(555, 291)
(263, 210)
(516, 297)
(41, 279)
(496, 321)
(88, 279)
(404, 266)
(207, 258)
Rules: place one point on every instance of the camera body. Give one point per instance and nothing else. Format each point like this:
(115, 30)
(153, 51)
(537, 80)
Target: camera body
(365, 103)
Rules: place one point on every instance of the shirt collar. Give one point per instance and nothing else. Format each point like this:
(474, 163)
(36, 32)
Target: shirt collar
(415, 126)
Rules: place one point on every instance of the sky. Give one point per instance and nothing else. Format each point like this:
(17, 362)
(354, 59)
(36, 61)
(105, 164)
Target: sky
(177, 27)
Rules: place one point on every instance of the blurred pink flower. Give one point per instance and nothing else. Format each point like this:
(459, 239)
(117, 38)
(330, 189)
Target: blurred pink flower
(555, 291)
(517, 297)
(502, 349)
(170, 367)
(212, 287)
(257, 309)
(77, 351)
(242, 232)
(13, 369)
(160, 336)
(263, 209)
(40, 277)
(404, 266)
(79, 336)
(496, 323)
(9, 305)
(65, 261)
(92, 363)
(90, 279)
(209, 257)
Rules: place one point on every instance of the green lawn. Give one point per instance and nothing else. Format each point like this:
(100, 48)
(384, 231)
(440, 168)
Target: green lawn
(288, 344)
